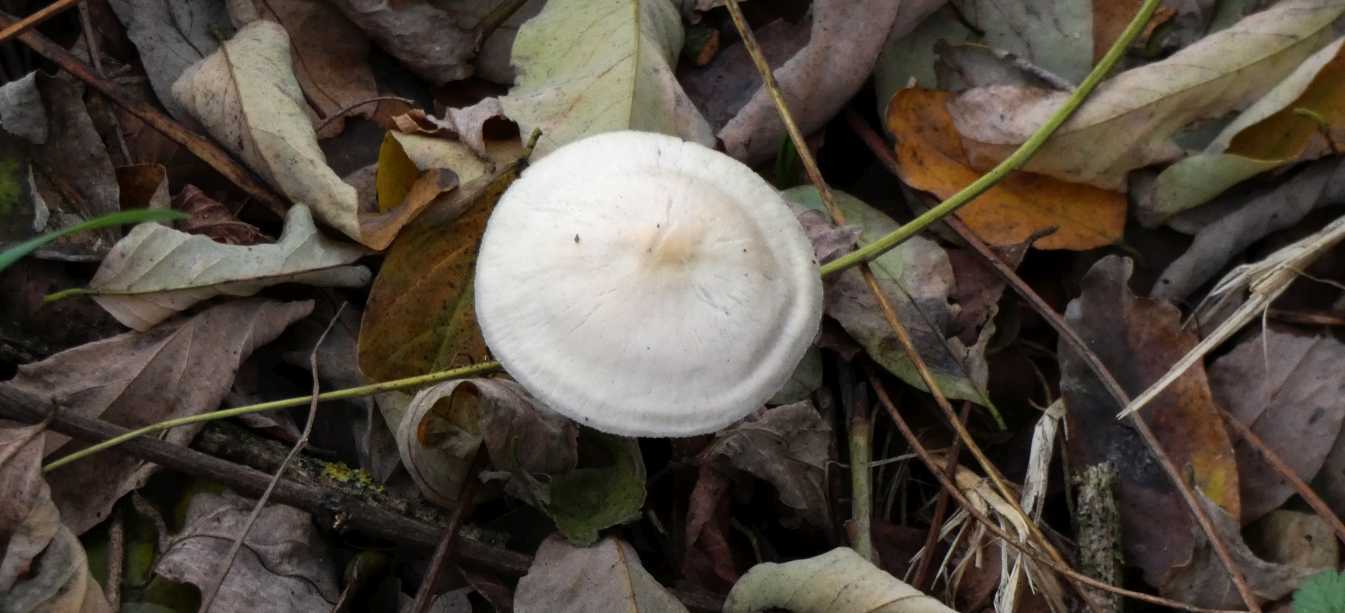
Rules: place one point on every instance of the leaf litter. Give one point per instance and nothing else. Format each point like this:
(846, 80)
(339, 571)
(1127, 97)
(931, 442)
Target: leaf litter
(392, 127)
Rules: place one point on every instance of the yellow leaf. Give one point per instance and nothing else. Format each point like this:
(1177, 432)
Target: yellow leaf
(932, 159)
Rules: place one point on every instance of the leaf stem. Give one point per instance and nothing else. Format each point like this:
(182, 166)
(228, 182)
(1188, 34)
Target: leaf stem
(1015, 160)
(351, 392)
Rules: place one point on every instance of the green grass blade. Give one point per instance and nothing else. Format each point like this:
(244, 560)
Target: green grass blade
(13, 254)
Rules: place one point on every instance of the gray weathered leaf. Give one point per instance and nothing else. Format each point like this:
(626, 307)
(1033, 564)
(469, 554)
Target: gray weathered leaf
(429, 38)
(839, 581)
(21, 110)
(176, 369)
(170, 36)
(284, 564)
(157, 272)
(606, 576)
(591, 66)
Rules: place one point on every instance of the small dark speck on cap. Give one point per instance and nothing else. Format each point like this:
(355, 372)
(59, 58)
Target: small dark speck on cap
(576, 239)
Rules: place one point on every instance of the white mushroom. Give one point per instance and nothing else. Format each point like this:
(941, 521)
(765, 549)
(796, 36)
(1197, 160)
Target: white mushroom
(646, 286)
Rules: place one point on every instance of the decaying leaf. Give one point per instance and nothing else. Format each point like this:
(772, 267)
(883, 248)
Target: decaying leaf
(591, 66)
(607, 489)
(1057, 36)
(247, 96)
(1287, 389)
(442, 427)
(1302, 118)
(1129, 120)
(1137, 339)
(917, 279)
(284, 564)
(170, 36)
(817, 81)
(788, 447)
(839, 581)
(420, 315)
(932, 158)
(210, 218)
(39, 193)
(176, 369)
(42, 565)
(157, 272)
(606, 576)
(429, 38)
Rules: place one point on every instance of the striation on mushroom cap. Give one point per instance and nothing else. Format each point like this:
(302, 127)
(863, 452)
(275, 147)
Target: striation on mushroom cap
(646, 286)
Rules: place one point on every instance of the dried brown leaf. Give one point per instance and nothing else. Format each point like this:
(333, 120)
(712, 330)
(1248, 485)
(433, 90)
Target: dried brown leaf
(181, 368)
(1137, 339)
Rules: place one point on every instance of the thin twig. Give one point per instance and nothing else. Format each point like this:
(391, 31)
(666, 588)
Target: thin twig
(934, 468)
(350, 392)
(354, 105)
(203, 148)
(885, 306)
(280, 470)
(1095, 364)
(444, 551)
(116, 557)
(20, 26)
(1015, 160)
(1276, 462)
(940, 509)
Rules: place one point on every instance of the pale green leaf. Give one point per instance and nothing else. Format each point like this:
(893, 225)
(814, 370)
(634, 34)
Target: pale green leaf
(839, 581)
(1199, 178)
(156, 271)
(1323, 592)
(917, 278)
(592, 66)
(1129, 121)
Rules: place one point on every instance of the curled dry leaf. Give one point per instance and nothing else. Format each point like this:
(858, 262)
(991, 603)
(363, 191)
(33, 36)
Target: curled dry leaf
(210, 218)
(331, 55)
(817, 81)
(1129, 120)
(1302, 118)
(434, 42)
(42, 565)
(606, 576)
(1137, 339)
(839, 581)
(917, 279)
(157, 272)
(932, 158)
(1287, 389)
(247, 96)
(284, 564)
(135, 379)
(591, 66)
(443, 426)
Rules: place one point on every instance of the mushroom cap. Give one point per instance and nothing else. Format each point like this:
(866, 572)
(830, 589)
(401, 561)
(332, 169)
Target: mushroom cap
(643, 285)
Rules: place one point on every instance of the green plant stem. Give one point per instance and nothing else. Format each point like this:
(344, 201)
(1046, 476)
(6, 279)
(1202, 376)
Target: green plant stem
(1015, 161)
(352, 392)
(15, 253)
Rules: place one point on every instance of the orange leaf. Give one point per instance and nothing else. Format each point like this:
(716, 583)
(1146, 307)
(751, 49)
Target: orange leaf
(931, 157)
